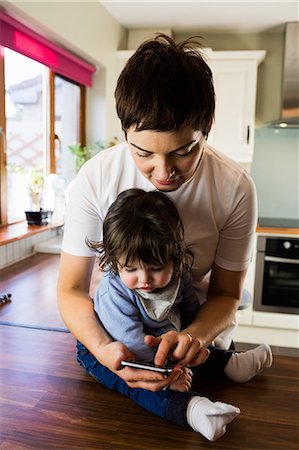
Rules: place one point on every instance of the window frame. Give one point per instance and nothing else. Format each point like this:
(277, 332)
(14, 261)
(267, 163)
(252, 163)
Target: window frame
(82, 119)
(49, 163)
(3, 176)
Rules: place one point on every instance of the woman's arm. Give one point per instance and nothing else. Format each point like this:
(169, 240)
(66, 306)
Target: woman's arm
(214, 316)
(219, 310)
(75, 304)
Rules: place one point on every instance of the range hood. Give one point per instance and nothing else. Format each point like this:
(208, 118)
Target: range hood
(289, 115)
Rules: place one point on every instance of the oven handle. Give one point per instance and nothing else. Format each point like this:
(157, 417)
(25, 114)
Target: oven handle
(281, 260)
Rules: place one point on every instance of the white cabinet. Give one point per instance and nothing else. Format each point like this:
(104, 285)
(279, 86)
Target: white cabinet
(235, 80)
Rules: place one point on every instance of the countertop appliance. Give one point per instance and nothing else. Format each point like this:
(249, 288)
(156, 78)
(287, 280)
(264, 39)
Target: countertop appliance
(277, 275)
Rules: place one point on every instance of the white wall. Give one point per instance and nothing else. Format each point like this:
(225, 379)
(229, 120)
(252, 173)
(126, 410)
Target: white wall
(137, 37)
(87, 29)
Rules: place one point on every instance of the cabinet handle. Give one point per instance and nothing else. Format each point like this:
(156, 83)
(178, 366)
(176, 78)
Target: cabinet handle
(281, 260)
(248, 134)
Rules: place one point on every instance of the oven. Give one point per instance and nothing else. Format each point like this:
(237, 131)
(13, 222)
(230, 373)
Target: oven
(277, 275)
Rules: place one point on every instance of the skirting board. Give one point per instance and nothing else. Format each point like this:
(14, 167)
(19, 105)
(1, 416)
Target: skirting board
(52, 245)
(276, 350)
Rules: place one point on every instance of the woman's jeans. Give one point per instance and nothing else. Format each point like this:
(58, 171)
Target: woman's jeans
(170, 405)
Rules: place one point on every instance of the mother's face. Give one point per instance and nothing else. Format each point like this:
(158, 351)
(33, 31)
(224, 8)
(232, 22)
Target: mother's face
(166, 158)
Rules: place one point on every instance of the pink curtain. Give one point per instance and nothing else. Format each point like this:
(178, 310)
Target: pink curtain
(20, 38)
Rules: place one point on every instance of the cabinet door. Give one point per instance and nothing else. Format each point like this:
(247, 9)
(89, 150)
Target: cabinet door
(235, 87)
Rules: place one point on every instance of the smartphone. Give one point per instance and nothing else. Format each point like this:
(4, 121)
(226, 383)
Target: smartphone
(147, 366)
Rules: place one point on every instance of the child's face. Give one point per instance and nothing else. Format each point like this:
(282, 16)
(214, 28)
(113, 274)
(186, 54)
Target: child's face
(145, 277)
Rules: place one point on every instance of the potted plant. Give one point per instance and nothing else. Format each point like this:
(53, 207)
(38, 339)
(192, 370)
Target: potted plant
(83, 154)
(37, 215)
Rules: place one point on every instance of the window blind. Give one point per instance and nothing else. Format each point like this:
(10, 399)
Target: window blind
(20, 38)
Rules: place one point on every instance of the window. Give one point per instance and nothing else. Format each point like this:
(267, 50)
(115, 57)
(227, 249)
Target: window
(42, 112)
(28, 137)
(67, 125)
(25, 98)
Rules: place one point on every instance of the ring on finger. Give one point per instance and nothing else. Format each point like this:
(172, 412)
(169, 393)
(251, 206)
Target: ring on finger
(193, 339)
(189, 335)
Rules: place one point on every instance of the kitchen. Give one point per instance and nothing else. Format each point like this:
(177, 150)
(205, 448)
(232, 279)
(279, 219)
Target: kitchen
(268, 80)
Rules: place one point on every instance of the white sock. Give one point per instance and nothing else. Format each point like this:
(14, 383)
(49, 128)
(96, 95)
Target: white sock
(241, 367)
(210, 418)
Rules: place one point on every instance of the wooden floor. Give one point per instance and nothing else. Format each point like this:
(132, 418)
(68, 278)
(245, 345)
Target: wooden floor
(48, 402)
(32, 283)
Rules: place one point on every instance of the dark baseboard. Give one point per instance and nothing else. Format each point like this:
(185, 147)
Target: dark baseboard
(276, 350)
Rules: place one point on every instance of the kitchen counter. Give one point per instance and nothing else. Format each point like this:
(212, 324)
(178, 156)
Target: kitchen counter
(276, 230)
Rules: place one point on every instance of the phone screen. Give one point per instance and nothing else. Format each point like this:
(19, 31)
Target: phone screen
(146, 366)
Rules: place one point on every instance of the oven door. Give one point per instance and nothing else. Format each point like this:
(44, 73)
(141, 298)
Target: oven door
(278, 289)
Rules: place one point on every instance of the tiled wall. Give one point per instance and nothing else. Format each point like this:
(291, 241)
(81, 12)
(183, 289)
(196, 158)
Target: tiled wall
(275, 172)
(15, 251)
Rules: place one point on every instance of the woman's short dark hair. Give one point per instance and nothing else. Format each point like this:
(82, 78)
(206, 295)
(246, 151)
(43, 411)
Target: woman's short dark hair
(143, 226)
(165, 86)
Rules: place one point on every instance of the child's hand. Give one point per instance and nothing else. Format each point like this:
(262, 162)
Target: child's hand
(183, 382)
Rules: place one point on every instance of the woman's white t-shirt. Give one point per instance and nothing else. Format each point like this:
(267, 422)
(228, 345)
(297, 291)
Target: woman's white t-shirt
(217, 206)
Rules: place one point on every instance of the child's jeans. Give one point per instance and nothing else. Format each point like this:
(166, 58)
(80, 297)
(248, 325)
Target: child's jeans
(170, 405)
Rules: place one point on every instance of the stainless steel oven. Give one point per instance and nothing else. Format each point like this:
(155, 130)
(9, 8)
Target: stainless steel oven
(277, 275)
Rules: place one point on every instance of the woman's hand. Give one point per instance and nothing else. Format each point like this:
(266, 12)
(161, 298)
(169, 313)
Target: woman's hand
(183, 382)
(112, 353)
(180, 347)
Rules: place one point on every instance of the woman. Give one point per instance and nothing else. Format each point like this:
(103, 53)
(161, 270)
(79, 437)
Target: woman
(165, 102)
